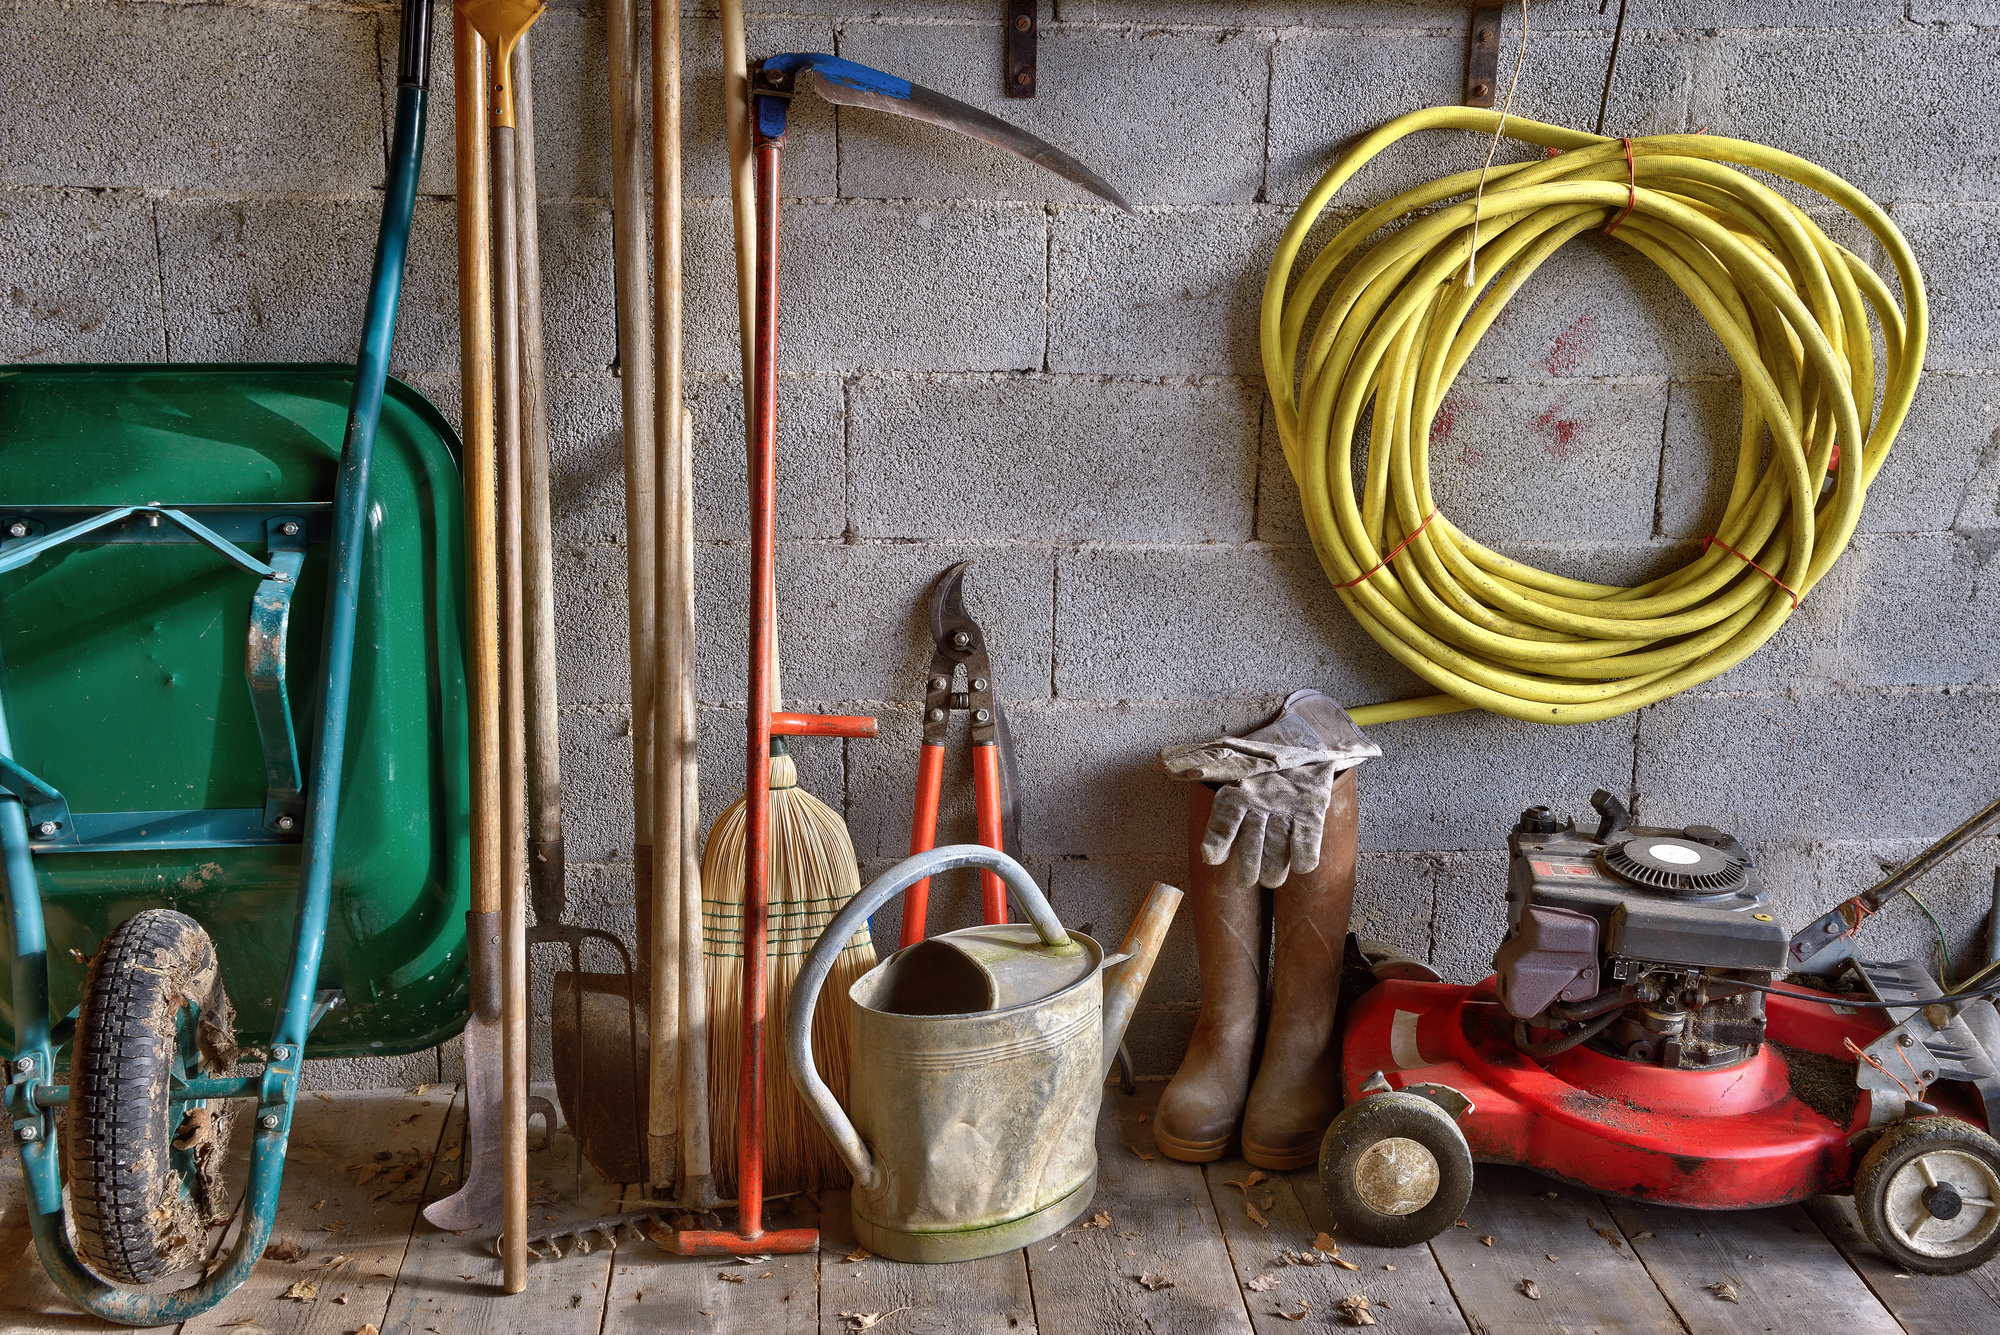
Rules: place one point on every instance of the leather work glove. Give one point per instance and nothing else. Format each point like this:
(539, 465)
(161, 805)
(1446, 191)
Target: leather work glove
(1275, 783)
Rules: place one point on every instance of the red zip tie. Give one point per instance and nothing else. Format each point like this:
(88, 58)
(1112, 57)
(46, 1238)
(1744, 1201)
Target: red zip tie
(1392, 555)
(1711, 538)
(1632, 188)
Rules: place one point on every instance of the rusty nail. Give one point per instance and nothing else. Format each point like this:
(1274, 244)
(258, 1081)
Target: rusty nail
(1025, 77)
(1023, 23)
(1480, 90)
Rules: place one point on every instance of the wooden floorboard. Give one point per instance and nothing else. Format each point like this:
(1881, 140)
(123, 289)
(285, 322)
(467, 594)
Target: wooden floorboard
(450, 1282)
(355, 1173)
(773, 1295)
(1416, 1296)
(1924, 1304)
(984, 1297)
(1782, 1272)
(1545, 1232)
(1598, 1264)
(1161, 1223)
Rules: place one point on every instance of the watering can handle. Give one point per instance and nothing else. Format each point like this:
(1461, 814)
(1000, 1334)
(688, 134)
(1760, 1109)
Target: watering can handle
(819, 964)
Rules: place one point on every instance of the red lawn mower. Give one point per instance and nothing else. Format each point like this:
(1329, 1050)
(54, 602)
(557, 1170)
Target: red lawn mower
(1634, 1040)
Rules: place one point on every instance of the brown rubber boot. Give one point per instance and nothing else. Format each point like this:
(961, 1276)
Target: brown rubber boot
(1297, 1092)
(1198, 1113)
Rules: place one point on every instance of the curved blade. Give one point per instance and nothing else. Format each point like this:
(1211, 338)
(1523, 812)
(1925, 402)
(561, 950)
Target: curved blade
(847, 84)
(948, 604)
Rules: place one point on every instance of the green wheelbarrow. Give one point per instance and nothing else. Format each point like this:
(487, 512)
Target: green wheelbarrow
(232, 750)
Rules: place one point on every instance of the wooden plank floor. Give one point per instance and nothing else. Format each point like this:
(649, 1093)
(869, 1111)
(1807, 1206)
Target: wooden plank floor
(1213, 1241)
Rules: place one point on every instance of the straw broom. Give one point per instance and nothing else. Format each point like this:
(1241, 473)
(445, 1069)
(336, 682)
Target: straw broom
(813, 875)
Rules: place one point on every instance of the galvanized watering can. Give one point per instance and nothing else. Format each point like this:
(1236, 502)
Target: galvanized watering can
(978, 1060)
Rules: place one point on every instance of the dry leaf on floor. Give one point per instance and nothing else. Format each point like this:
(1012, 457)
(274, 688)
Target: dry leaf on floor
(341, 1300)
(366, 1171)
(1259, 1220)
(285, 1249)
(1155, 1282)
(369, 1328)
(1548, 1195)
(1299, 1315)
(421, 1090)
(326, 1097)
(1724, 1290)
(1486, 1238)
(1461, 1223)
(1244, 1186)
(303, 1291)
(1529, 1287)
(1262, 1284)
(1647, 1234)
(1099, 1220)
(858, 1254)
(1345, 1265)
(1612, 1236)
(1354, 1310)
(869, 1320)
(1552, 1256)
(1388, 1267)
(450, 1152)
(729, 1278)
(1147, 1155)
(1323, 1243)
(319, 1204)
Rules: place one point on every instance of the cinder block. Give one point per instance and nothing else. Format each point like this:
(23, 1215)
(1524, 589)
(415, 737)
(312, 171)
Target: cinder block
(593, 654)
(1166, 117)
(1191, 622)
(1925, 609)
(1976, 13)
(1458, 782)
(1395, 901)
(579, 302)
(83, 279)
(1101, 896)
(1054, 458)
(587, 455)
(597, 784)
(285, 279)
(812, 458)
(1873, 764)
(853, 619)
(1328, 88)
(1807, 880)
(1958, 250)
(880, 286)
(404, 1072)
(1168, 293)
(198, 97)
(1471, 914)
(1923, 136)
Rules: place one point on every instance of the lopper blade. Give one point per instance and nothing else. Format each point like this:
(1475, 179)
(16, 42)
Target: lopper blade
(847, 84)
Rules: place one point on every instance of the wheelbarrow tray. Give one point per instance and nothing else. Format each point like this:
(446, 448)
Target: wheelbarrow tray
(124, 674)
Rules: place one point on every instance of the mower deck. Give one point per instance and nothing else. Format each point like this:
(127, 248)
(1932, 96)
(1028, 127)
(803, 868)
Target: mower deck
(1732, 1139)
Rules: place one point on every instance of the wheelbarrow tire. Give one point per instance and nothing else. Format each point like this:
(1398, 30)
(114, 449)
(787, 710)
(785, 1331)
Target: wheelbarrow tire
(1396, 1169)
(146, 1175)
(1928, 1193)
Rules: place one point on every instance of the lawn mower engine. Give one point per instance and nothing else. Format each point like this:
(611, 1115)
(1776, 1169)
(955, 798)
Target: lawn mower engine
(1622, 1045)
(1637, 933)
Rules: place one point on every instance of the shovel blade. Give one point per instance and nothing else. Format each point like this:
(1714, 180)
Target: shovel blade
(600, 1046)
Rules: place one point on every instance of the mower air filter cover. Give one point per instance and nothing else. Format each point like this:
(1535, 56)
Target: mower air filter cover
(1676, 866)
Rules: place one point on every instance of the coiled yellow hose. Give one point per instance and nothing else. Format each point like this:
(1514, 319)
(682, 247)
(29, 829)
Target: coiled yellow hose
(1786, 301)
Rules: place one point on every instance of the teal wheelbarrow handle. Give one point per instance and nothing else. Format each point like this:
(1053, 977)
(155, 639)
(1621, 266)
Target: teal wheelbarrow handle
(275, 1091)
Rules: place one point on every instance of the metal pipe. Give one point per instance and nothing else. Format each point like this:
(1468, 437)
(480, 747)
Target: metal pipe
(1876, 895)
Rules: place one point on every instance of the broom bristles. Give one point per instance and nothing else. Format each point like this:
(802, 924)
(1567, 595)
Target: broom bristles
(813, 875)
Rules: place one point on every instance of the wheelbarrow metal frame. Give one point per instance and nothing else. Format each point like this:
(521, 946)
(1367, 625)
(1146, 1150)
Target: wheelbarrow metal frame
(31, 1097)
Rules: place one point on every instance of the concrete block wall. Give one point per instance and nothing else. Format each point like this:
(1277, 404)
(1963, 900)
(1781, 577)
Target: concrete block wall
(979, 362)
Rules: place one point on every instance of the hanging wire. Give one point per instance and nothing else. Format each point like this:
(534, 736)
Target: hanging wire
(1611, 70)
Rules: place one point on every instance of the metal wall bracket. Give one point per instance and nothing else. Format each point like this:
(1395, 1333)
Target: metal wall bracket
(1482, 56)
(1022, 28)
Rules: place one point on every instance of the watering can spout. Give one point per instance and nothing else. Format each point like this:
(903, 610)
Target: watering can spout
(1126, 979)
